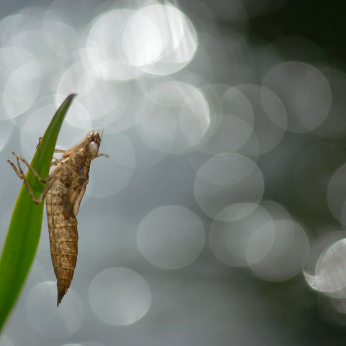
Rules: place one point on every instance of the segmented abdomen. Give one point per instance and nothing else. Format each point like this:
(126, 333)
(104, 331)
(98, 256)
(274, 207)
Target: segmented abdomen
(63, 237)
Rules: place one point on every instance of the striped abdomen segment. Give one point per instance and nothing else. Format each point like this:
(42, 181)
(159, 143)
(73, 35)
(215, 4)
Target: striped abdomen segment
(63, 237)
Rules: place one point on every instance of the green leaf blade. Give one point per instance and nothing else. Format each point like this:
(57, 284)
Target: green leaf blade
(25, 227)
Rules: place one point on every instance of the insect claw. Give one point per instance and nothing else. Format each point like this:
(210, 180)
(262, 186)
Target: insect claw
(17, 156)
(39, 141)
(107, 156)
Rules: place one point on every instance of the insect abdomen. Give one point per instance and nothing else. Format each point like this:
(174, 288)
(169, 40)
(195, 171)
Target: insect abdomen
(63, 237)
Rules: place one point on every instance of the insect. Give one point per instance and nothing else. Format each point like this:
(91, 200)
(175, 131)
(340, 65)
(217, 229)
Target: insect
(65, 188)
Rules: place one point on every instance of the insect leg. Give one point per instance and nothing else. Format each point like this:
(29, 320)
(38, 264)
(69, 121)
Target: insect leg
(102, 155)
(56, 162)
(15, 169)
(44, 181)
(50, 179)
(39, 141)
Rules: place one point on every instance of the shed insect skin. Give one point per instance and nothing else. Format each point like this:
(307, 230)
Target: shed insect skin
(64, 191)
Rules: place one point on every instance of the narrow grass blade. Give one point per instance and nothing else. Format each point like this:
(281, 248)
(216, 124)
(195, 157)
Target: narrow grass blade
(25, 227)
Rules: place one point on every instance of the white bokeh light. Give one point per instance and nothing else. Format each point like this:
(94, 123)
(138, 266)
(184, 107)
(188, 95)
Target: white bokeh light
(304, 91)
(232, 134)
(123, 117)
(104, 46)
(330, 269)
(119, 296)
(334, 125)
(91, 343)
(262, 240)
(39, 43)
(109, 176)
(22, 88)
(327, 238)
(145, 155)
(171, 237)
(339, 304)
(270, 119)
(4, 341)
(328, 309)
(231, 120)
(37, 122)
(175, 118)
(276, 210)
(98, 97)
(167, 44)
(235, 103)
(313, 172)
(56, 24)
(336, 194)
(44, 316)
(230, 240)
(12, 59)
(143, 41)
(228, 186)
(5, 132)
(284, 251)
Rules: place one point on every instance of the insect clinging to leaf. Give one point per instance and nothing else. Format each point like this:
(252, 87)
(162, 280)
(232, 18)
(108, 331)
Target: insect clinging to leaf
(65, 188)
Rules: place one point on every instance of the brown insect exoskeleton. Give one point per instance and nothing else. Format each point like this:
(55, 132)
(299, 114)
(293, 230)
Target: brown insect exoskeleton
(64, 191)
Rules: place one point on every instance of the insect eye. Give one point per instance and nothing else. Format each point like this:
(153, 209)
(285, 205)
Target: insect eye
(93, 148)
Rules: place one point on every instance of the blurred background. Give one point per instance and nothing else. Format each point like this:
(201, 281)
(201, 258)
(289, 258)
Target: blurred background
(219, 217)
